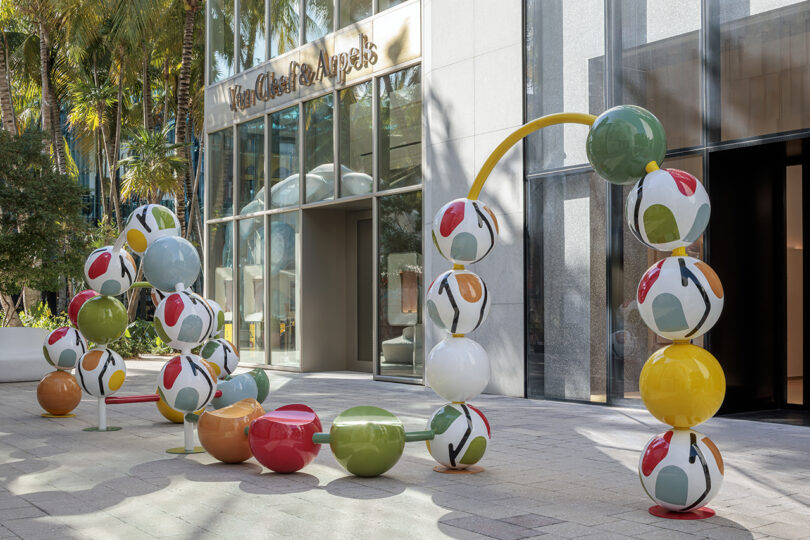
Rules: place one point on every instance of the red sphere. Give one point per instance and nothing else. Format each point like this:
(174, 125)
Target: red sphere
(77, 302)
(281, 440)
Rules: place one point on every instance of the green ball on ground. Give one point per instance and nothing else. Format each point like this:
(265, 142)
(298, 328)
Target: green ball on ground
(367, 441)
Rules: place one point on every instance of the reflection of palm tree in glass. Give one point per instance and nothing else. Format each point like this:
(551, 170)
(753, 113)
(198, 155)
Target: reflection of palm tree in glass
(317, 19)
(251, 26)
(221, 60)
(284, 22)
(400, 136)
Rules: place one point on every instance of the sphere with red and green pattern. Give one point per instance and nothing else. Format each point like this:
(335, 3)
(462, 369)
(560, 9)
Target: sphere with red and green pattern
(184, 320)
(109, 271)
(461, 434)
(187, 383)
(222, 355)
(63, 347)
(465, 231)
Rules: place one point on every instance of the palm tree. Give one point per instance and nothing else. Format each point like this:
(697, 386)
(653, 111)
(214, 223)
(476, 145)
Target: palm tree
(152, 166)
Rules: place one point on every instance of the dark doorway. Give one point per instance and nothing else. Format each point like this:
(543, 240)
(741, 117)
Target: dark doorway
(755, 245)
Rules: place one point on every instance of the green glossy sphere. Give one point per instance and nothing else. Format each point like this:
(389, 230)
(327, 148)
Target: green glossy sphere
(367, 441)
(102, 319)
(622, 141)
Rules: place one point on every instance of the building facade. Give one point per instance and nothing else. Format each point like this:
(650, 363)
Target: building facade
(335, 129)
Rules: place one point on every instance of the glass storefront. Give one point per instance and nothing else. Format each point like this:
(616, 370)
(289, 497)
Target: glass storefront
(250, 299)
(401, 128)
(283, 269)
(319, 150)
(718, 74)
(356, 140)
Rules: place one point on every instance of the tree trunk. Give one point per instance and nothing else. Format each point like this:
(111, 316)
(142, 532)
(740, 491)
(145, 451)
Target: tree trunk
(44, 60)
(59, 140)
(166, 90)
(10, 317)
(147, 91)
(6, 102)
(115, 195)
(194, 212)
(135, 295)
(181, 120)
(100, 168)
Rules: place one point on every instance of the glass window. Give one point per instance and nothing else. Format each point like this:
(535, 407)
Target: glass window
(284, 158)
(400, 325)
(400, 158)
(252, 36)
(319, 157)
(631, 342)
(763, 61)
(660, 64)
(220, 183)
(283, 270)
(220, 28)
(220, 271)
(318, 19)
(566, 288)
(565, 63)
(251, 166)
(385, 4)
(284, 26)
(352, 11)
(355, 144)
(251, 290)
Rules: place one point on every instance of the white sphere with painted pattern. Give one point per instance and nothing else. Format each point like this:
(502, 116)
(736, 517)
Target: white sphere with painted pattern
(149, 223)
(187, 383)
(222, 355)
(465, 231)
(458, 301)
(101, 372)
(184, 320)
(461, 435)
(109, 272)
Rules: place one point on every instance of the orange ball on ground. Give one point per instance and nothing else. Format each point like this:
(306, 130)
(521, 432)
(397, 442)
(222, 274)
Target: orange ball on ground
(222, 431)
(59, 393)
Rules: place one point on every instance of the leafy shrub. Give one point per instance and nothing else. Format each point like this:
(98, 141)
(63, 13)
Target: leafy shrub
(140, 338)
(41, 317)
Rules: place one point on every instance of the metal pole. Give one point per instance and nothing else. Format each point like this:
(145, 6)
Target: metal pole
(102, 414)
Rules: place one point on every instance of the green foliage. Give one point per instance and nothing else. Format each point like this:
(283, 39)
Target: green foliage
(140, 338)
(41, 317)
(43, 236)
(152, 166)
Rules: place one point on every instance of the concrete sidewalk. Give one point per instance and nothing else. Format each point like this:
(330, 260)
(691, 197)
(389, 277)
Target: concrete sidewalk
(556, 470)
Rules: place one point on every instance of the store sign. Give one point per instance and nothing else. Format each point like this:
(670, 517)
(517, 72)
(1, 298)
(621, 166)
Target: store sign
(269, 85)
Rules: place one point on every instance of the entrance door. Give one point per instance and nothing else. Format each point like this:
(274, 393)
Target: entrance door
(755, 244)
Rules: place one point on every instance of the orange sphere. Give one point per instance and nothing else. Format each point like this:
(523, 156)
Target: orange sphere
(59, 393)
(222, 431)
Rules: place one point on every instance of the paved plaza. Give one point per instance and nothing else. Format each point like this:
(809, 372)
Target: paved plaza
(553, 470)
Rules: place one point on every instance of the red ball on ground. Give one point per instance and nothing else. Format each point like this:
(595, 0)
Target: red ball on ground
(77, 302)
(281, 440)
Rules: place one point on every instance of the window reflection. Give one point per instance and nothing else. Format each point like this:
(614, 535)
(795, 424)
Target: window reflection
(355, 145)
(284, 158)
(220, 181)
(318, 15)
(400, 159)
(283, 269)
(284, 26)
(220, 271)
(251, 166)
(252, 36)
(251, 290)
(318, 149)
(400, 327)
(220, 28)
(352, 11)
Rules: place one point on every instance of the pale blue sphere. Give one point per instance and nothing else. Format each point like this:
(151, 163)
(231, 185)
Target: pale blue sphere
(171, 264)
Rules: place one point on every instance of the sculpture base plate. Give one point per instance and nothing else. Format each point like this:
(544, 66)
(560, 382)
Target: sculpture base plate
(699, 513)
(181, 450)
(472, 469)
(49, 415)
(108, 428)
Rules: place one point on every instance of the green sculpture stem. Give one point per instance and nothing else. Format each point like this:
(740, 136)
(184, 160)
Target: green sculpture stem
(414, 436)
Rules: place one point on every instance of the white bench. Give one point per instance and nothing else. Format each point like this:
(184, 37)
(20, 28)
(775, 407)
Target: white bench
(21, 357)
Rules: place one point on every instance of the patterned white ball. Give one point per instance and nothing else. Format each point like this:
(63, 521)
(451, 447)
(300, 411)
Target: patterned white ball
(461, 435)
(187, 383)
(101, 372)
(464, 231)
(458, 301)
(457, 369)
(148, 223)
(222, 356)
(184, 320)
(219, 317)
(157, 296)
(63, 347)
(680, 298)
(681, 470)
(109, 273)
(668, 209)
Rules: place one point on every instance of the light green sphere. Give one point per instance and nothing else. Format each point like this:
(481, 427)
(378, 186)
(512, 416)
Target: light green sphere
(102, 319)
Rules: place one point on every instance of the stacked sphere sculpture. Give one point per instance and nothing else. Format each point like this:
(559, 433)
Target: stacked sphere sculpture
(679, 298)
(457, 368)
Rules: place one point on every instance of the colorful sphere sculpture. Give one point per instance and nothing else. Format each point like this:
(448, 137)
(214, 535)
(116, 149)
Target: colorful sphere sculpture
(668, 209)
(457, 369)
(63, 347)
(171, 264)
(183, 320)
(681, 469)
(101, 372)
(461, 433)
(281, 440)
(458, 301)
(465, 231)
(221, 354)
(109, 271)
(58, 393)
(680, 298)
(186, 384)
(149, 223)
(222, 431)
(102, 319)
(76, 304)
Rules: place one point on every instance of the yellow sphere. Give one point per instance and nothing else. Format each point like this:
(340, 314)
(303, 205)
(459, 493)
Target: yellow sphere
(682, 385)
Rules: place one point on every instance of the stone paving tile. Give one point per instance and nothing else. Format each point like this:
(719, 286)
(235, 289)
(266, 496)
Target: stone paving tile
(553, 470)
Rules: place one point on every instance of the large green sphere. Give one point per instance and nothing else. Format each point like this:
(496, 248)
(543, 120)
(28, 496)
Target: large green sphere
(622, 141)
(367, 441)
(102, 319)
